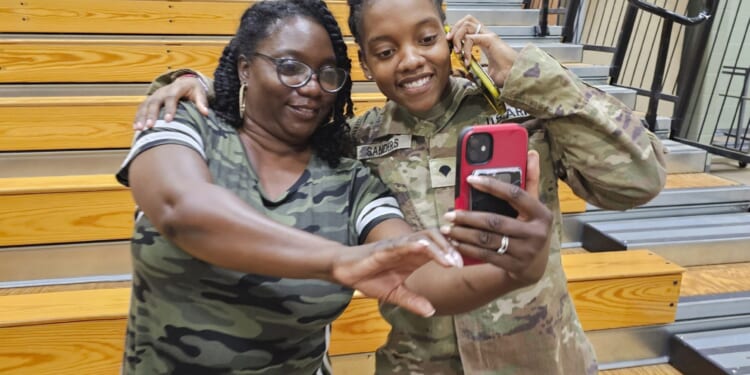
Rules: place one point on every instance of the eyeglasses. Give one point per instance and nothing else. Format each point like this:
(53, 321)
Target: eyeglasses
(293, 73)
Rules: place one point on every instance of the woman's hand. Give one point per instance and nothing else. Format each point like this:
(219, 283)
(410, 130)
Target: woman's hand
(480, 234)
(185, 87)
(500, 55)
(379, 269)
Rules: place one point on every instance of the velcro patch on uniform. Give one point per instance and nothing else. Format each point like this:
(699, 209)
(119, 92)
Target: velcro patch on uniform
(510, 113)
(442, 172)
(396, 142)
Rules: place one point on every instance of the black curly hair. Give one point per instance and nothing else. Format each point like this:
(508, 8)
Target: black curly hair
(356, 16)
(330, 141)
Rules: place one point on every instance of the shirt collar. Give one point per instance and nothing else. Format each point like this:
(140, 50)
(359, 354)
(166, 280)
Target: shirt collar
(398, 120)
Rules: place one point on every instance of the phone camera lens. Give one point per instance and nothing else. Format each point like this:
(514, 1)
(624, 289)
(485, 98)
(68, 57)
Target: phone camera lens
(479, 148)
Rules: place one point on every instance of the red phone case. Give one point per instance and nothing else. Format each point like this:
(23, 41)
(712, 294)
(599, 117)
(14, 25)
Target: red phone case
(508, 157)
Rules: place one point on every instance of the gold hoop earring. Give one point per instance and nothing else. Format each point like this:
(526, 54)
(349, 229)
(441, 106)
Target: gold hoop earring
(243, 88)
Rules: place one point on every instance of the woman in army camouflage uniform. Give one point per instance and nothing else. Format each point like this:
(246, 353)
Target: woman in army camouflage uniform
(583, 135)
(219, 289)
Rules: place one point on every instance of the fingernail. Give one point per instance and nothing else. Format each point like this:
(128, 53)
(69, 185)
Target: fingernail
(431, 313)
(473, 179)
(454, 258)
(458, 260)
(445, 229)
(449, 216)
(423, 242)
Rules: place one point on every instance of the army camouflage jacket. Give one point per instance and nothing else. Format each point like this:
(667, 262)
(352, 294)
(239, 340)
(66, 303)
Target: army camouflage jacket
(584, 136)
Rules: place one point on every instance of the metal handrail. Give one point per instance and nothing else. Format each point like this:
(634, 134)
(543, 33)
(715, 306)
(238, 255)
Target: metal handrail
(570, 20)
(542, 29)
(669, 19)
(667, 14)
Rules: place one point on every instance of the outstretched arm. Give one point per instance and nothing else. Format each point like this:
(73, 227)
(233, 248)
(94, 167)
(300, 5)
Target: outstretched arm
(214, 225)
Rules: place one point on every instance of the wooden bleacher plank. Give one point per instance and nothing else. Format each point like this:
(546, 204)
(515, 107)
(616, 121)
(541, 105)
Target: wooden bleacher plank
(66, 123)
(79, 61)
(716, 279)
(86, 122)
(93, 347)
(696, 180)
(616, 264)
(58, 184)
(359, 329)
(630, 302)
(365, 101)
(67, 209)
(622, 288)
(135, 16)
(71, 306)
(663, 369)
(569, 202)
(76, 60)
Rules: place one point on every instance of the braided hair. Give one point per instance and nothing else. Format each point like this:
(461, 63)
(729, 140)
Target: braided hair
(356, 17)
(330, 141)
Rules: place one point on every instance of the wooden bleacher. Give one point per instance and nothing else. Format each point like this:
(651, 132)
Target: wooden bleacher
(81, 332)
(69, 44)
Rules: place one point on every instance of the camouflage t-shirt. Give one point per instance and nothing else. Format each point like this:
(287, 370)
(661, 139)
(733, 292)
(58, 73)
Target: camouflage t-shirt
(584, 136)
(191, 317)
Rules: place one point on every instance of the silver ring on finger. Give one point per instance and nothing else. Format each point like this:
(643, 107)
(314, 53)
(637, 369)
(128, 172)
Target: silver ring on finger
(504, 243)
(479, 28)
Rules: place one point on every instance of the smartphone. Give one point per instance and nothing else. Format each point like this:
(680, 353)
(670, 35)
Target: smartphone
(481, 78)
(498, 151)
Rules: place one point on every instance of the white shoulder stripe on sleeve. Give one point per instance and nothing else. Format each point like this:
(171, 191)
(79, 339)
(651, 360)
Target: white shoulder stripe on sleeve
(153, 137)
(180, 127)
(375, 209)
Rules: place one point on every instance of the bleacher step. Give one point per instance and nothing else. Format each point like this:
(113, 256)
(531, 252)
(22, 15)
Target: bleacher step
(692, 189)
(616, 289)
(651, 344)
(711, 298)
(563, 52)
(682, 158)
(60, 163)
(713, 352)
(622, 289)
(64, 209)
(523, 40)
(522, 31)
(573, 223)
(625, 95)
(491, 15)
(64, 264)
(688, 240)
(498, 3)
(592, 74)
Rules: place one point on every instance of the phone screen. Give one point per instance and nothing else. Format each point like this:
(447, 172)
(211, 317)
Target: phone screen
(480, 201)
